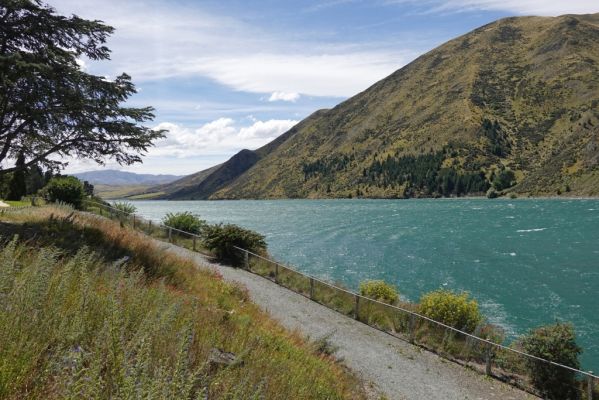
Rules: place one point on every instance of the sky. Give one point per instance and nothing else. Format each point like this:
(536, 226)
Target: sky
(224, 75)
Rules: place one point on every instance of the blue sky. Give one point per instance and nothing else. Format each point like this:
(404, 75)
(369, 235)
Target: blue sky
(226, 75)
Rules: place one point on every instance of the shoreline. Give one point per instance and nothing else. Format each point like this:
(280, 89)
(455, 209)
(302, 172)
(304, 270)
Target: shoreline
(502, 198)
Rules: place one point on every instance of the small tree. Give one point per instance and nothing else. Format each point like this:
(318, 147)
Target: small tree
(555, 343)
(51, 108)
(379, 290)
(505, 179)
(184, 221)
(66, 189)
(88, 188)
(453, 309)
(222, 240)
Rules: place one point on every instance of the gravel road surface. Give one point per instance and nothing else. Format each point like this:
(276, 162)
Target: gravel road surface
(392, 366)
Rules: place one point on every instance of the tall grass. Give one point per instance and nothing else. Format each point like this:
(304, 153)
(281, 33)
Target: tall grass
(91, 310)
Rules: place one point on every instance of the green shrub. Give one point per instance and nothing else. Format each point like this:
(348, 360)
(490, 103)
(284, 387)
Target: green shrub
(379, 290)
(184, 221)
(555, 343)
(124, 207)
(453, 309)
(65, 189)
(222, 239)
(505, 179)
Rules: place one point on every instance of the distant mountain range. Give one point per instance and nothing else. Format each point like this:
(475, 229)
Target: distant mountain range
(513, 104)
(121, 178)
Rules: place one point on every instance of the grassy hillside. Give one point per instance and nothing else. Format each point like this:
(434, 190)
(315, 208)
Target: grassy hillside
(120, 191)
(123, 178)
(519, 95)
(91, 310)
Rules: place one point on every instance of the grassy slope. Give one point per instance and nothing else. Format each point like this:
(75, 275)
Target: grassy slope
(536, 76)
(119, 192)
(76, 322)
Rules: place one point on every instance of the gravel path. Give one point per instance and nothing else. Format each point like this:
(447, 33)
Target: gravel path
(395, 368)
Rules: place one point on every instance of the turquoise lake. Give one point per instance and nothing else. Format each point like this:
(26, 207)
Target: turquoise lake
(528, 262)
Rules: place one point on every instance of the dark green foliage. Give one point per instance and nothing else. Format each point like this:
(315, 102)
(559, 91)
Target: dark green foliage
(327, 166)
(51, 108)
(65, 189)
(555, 343)
(222, 240)
(499, 143)
(424, 174)
(88, 188)
(36, 179)
(17, 186)
(184, 221)
(504, 179)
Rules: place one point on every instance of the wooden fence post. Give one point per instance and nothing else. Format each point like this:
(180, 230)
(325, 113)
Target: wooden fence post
(590, 386)
(277, 272)
(149, 227)
(246, 260)
(412, 328)
(311, 288)
(133, 221)
(194, 242)
(170, 234)
(357, 308)
(488, 360)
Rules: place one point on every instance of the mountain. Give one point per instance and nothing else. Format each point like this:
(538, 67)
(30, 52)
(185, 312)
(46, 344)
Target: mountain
(513, 104)
(121, 178)
(182, 183)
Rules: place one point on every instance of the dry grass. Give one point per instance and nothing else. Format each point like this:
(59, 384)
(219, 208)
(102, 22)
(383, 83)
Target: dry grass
(78, 320)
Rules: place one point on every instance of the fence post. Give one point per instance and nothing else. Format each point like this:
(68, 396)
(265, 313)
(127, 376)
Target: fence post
(311, 288)
(357, 308)
(133, 221)
(590, 386)
(170, 234)
(150, 227)
(194, 242)
(246, 260)
(488, 360)
(277, 272)
(412, 328)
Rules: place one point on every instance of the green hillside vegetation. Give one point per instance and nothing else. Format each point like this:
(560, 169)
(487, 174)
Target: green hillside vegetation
(92, 310)
(519, 96)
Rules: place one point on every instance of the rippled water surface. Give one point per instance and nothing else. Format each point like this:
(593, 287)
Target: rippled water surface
(528, 262)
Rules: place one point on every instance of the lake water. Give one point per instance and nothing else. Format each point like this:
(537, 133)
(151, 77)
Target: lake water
(528, 262)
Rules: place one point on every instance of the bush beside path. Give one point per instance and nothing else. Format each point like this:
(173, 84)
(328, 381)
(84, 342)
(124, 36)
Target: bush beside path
(393, 367)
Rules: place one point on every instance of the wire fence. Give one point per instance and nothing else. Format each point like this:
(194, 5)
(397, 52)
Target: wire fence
(481, 350)
(157, 230)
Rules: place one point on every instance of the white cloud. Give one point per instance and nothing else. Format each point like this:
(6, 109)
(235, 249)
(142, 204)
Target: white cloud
(537, 7)
(186, 150)
(520, 7)
(154, 40)
(82, 64)
(284, 96)
(222, 135)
